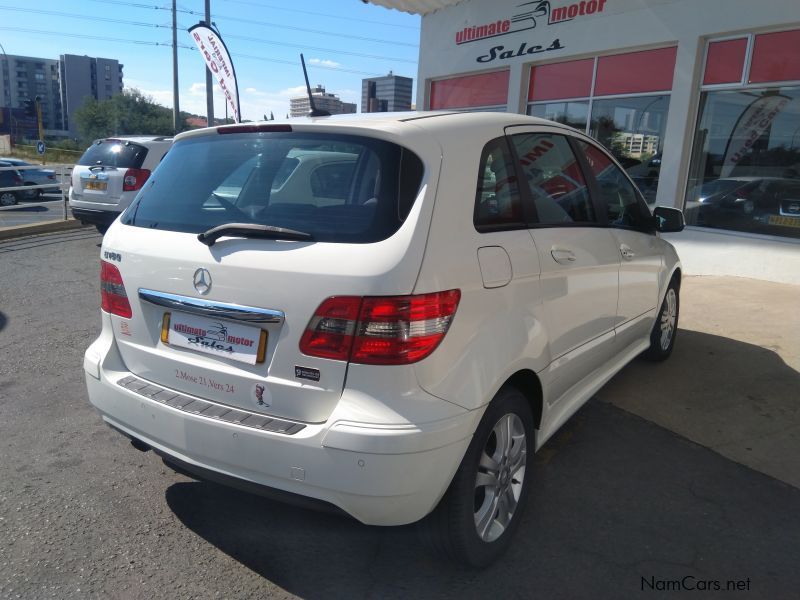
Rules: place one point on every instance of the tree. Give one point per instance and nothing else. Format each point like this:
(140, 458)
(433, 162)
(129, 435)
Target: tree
(128, 113)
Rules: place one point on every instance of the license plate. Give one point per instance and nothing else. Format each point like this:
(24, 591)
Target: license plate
(243, 343)
(100, 186)
(784, 221)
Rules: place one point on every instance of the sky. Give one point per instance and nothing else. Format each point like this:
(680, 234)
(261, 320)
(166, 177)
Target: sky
(343, 41)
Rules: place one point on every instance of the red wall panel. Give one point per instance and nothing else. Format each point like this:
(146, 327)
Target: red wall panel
(635, 72)
(485, 89)
(776, 57)
(725, 61)
(571, 79)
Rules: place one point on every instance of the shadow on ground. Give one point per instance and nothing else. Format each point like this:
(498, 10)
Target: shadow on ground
(616, 499)
(737, 398)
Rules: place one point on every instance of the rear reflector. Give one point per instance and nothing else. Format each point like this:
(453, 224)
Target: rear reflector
(254, 128)
(134, 179)
(392, 330)
(113, 298)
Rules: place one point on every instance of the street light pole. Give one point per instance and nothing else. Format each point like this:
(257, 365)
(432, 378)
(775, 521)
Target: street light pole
(176, 111)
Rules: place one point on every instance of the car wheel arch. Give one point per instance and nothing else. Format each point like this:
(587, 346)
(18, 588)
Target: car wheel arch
(527, 382)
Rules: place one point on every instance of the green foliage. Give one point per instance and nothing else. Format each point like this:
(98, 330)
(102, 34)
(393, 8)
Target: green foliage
(129, 113)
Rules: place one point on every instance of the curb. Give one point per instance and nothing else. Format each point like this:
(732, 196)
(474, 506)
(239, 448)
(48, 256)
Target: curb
(46, 227)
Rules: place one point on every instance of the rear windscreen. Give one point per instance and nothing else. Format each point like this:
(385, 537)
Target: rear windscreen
(338, 188)
(114, 153)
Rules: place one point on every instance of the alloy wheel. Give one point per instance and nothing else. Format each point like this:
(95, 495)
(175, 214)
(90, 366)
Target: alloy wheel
(668, 318)
(501, 472)
(7, 199)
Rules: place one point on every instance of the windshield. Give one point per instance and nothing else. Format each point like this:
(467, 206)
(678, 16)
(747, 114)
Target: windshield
(114, 153)
(338, 188)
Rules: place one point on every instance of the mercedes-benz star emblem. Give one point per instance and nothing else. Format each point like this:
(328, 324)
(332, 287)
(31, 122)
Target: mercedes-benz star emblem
(202, 281)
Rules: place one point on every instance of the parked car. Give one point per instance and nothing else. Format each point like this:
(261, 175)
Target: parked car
(110, 173)
(9, 178)
(396, 337)
(749, 203)
(35, 176)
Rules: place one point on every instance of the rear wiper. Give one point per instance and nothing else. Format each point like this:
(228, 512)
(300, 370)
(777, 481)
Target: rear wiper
(252, 230)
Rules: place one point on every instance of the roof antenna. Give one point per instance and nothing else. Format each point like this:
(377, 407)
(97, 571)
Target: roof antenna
(315, 112)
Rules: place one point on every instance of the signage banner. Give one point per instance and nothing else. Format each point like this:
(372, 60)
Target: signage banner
(218, 60)
(753, 122)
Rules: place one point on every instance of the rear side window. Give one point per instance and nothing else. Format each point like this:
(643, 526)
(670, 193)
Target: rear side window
(497, 204)
(338, 188)
(114, 153)
(554, 178)
(623, 205)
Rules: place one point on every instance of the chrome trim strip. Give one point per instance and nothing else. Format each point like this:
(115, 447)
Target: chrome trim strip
(209, 308)
(208, 409)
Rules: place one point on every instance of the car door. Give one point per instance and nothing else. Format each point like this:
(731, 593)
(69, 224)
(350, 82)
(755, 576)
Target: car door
(578, 256)
(630, 223)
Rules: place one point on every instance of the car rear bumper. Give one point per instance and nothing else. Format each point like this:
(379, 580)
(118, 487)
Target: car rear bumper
(93, 216)
(381, 474)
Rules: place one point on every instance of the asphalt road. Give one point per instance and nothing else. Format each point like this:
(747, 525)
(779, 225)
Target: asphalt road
(619, 504)
(27, 212)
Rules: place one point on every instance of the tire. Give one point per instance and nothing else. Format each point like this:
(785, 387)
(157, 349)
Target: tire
(8, 198)
(102, 228)
(475, 521)
(665, 329)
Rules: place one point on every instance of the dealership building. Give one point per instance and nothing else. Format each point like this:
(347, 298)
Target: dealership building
(698, 99)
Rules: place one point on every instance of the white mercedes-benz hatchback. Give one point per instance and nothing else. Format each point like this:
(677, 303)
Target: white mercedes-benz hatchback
(386, 314)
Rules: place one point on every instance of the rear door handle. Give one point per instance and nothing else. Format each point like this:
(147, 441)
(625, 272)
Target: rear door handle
(562, 256)
(626, 252)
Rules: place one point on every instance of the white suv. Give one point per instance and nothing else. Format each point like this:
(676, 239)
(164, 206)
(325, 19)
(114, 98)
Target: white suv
(387, 315)
(110, 173)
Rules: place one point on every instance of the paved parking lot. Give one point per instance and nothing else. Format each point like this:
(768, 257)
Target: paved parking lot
(49, 208)
(623, 508)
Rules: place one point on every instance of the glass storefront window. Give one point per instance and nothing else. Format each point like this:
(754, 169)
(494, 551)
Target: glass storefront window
(573, 114)
(745, 169)
(633, 128)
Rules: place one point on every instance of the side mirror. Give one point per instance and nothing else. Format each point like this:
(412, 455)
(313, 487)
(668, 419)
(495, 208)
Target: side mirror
(668, 220)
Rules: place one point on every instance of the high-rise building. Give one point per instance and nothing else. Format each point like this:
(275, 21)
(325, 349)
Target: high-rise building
(83, 77)
(62, 85)
(389, 93)
(300, 106)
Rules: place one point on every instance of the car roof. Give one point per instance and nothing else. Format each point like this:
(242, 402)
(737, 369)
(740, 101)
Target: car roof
(433, 121)
(13, 161)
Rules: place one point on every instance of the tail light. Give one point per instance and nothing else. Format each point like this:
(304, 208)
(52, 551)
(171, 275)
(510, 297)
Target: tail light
(114, 299)
(134, 179)
(391, 330)
(53, 177)
(17, 179)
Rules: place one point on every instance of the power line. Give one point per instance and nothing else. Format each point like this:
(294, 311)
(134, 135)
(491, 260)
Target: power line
(165, 26)
(90, 37)
(305, 47)
(262, 23)
(84, 17)
(309, 12)
(169, 44)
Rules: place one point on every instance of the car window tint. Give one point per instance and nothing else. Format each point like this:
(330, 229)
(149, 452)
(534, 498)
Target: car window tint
(275, 179)
(114, 153)
(624, 206)
(554, 178)
(497, 202)
(333, 180)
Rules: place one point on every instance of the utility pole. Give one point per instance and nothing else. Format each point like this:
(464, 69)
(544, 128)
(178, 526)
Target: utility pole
(209, 83)
(176, 110)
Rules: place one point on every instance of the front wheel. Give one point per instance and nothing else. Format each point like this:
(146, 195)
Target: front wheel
(7, 198)
(476, 519)
(662, 337)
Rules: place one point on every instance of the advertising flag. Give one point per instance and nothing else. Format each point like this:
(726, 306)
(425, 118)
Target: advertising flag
(752, 123)
(218, 60)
